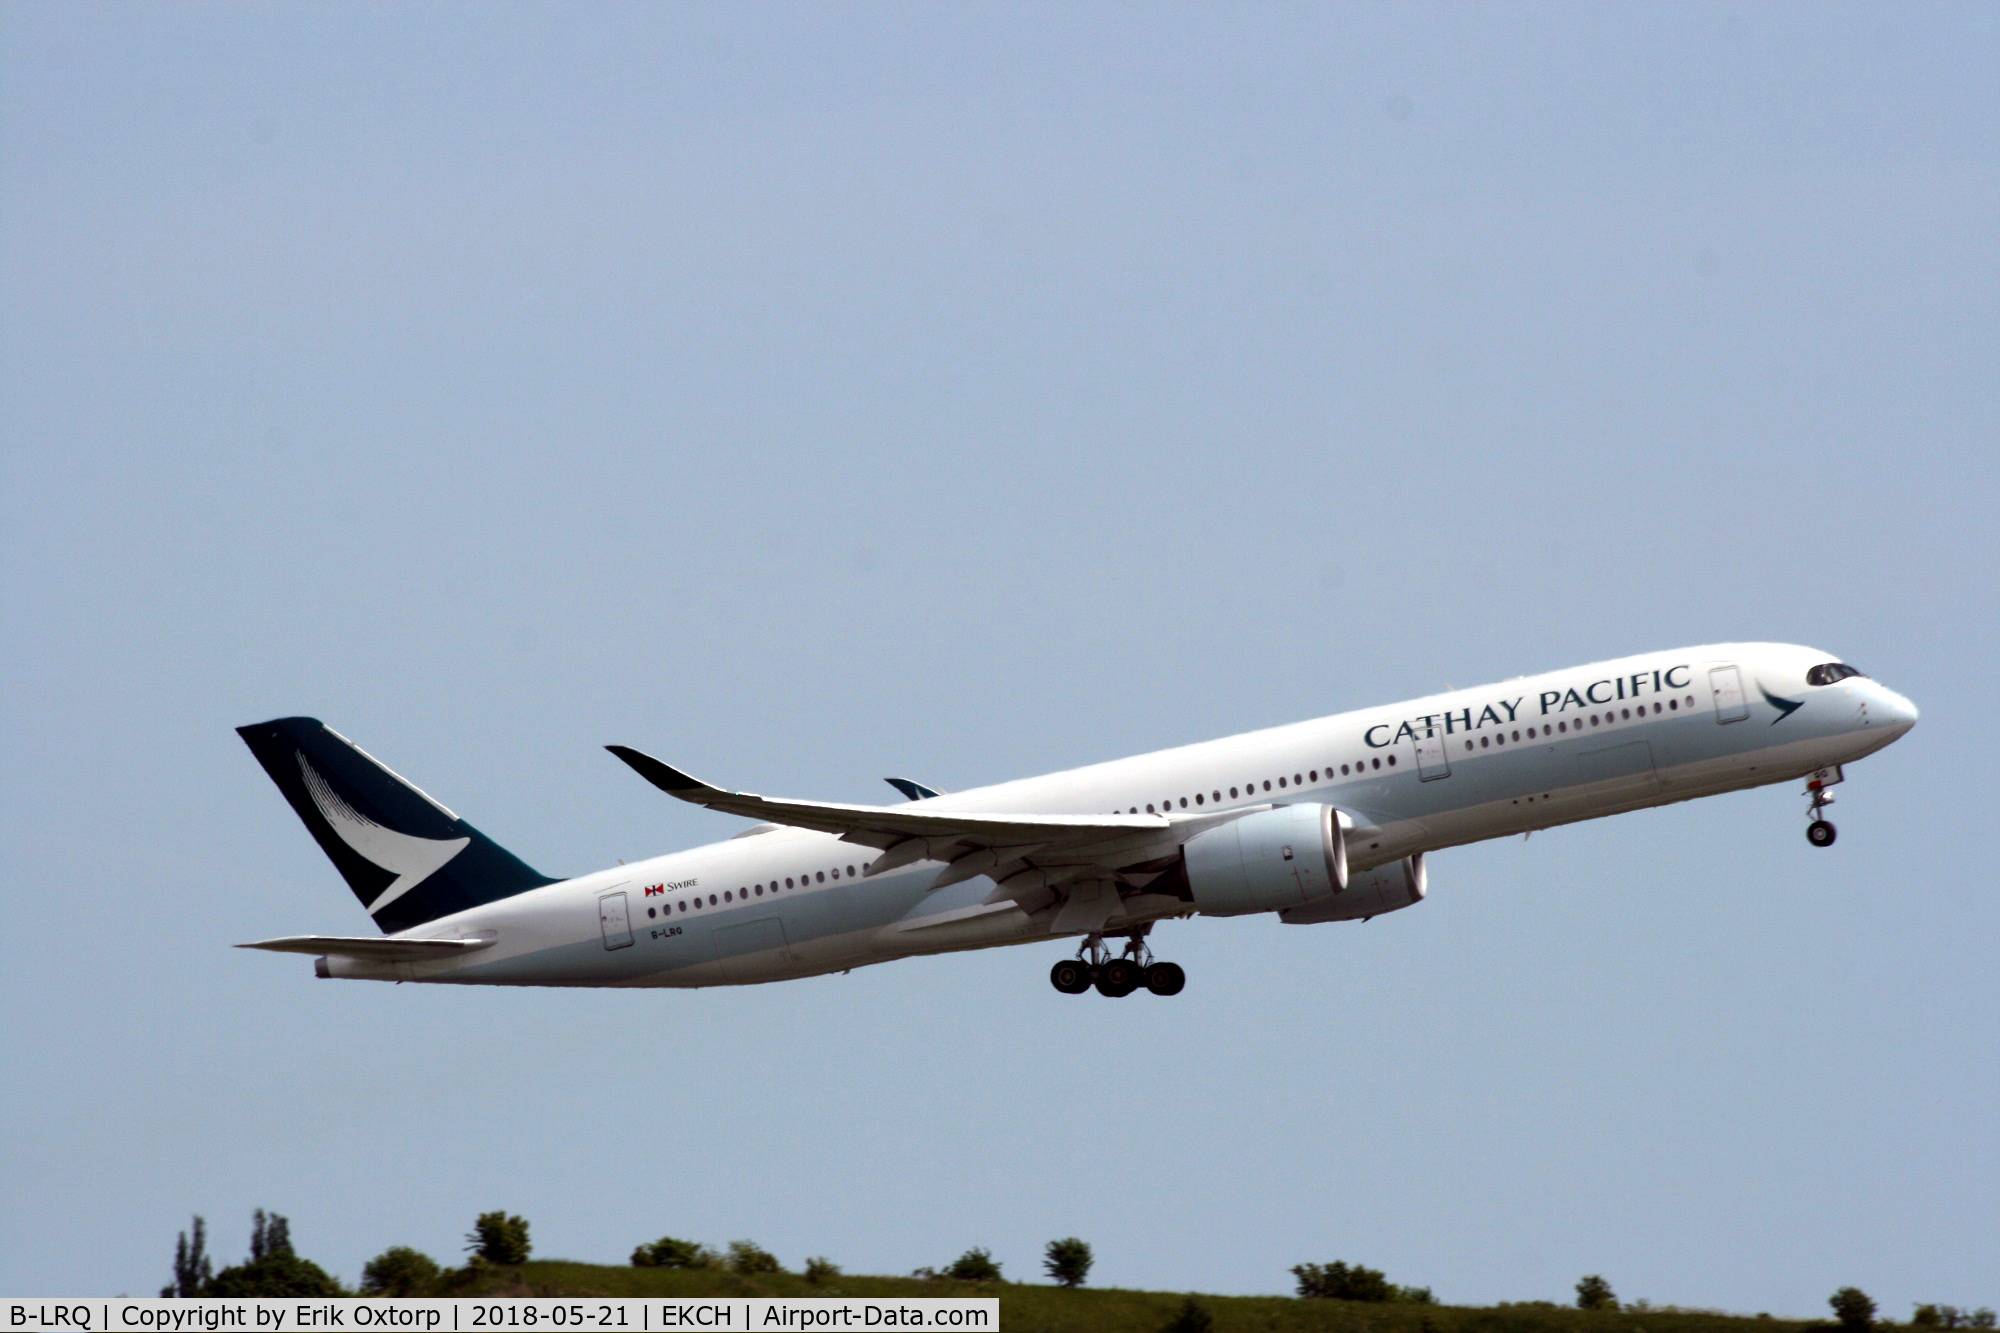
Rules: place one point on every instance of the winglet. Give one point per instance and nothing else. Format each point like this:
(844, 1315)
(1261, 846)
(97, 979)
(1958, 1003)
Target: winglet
(916, 791)
(664, 776)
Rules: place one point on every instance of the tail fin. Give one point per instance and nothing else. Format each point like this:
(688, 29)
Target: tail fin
(407, 858)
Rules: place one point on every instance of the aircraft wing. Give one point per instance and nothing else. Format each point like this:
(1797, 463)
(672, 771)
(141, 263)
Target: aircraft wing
(1047, 850)
(373, 947)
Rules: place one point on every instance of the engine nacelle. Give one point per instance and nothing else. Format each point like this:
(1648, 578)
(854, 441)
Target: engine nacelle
(1273, 859)
(1387, 888)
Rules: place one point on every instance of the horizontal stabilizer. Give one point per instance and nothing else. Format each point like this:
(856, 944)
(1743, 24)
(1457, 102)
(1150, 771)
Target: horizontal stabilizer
(916, 791)
(370, 947)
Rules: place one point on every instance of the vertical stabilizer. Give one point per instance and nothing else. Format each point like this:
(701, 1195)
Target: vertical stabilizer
(407, 858)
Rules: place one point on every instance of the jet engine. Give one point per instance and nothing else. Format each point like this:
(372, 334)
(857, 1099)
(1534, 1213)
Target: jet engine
(1277, 858)
(1387, 888)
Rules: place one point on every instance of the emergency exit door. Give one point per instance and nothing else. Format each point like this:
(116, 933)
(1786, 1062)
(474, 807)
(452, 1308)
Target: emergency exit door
(614, 921)
(1432, 761)
(1725, 683)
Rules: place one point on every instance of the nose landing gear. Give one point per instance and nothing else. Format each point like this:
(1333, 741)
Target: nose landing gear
(1118, 976)
(1821, 832)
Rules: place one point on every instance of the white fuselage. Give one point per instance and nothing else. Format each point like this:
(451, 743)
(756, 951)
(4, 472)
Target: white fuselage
(774, 903)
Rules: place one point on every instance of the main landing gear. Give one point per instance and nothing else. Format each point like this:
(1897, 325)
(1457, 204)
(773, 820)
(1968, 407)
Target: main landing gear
(1821, 832)
(1117, 976)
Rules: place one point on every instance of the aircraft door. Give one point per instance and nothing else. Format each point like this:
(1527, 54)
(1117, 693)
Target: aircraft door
(613, 920)
(1725, 683)
(1432, 761)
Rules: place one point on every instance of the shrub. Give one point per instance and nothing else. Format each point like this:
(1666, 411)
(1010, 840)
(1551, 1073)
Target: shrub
(1342, 1282)
(747, 1256)
(671, 1252)
(399, 1271)
(1068, 1261)
(1192, 1317)
(1594, 1293)
(499, 1239)
(1413, 1296)
(975, 1265)
(1852, 1308)
(820, 1270)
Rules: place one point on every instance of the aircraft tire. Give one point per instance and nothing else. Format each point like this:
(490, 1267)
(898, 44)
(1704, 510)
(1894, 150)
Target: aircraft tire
(1820, 833)
(1165, 978)
(1118, 978)
(1071, 976)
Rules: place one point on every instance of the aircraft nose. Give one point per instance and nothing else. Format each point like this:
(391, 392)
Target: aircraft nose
(1898, 712)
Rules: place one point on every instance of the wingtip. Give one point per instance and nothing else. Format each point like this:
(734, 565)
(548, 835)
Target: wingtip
(664, 776)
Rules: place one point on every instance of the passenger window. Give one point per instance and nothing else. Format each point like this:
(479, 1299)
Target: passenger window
(1314, 775)
(1197, 798)
(819, 877)
(1392, 761)
(1281, 782)
(788, 881)
(850, 872)
(1232, 793)
(1482, 742)
(1267, 784)
(1183, 802)
(1298, 781)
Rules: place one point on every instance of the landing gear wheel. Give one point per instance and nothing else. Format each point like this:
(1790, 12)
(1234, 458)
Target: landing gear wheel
(1071, 976)
(1820, 833)
(1165, 978)
(1118, 978)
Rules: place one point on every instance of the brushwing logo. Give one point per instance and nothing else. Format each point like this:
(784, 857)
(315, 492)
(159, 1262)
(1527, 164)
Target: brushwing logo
(1785, 707)
(412, 860)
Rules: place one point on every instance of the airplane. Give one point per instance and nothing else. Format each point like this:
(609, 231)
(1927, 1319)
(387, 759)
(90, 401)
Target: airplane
(1322, 821)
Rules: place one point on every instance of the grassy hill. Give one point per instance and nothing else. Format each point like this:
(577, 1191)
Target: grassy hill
(1030, 1308)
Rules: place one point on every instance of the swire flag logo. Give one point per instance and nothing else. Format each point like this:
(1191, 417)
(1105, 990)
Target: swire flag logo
(652, 889)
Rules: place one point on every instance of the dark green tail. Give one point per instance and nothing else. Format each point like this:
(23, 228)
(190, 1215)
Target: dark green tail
(407, 858)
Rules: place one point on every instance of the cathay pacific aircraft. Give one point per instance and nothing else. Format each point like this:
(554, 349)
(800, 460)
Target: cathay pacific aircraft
(1322, 821)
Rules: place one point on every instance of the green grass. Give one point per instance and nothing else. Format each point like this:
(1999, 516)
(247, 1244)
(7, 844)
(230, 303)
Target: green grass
(1032, 1308)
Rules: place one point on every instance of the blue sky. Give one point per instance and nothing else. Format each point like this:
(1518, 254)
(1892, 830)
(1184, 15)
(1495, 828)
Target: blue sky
(811, 393)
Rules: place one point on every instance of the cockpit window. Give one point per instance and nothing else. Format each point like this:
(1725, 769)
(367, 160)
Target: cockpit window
(1828, 672)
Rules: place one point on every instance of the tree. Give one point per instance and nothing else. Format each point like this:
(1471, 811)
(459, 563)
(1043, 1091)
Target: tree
(820, 1270)
(399, 1271)
(192, 1273)
(1068, 1261)
(1853, 1309)
(272, 1269)
(499, 1239)
(669, 1252)
(275, 1274)
(1192, 1317)
(747, 1256)
(269, 1235)
(1342, 1282)
(1594, 1293)
(975, 1265)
